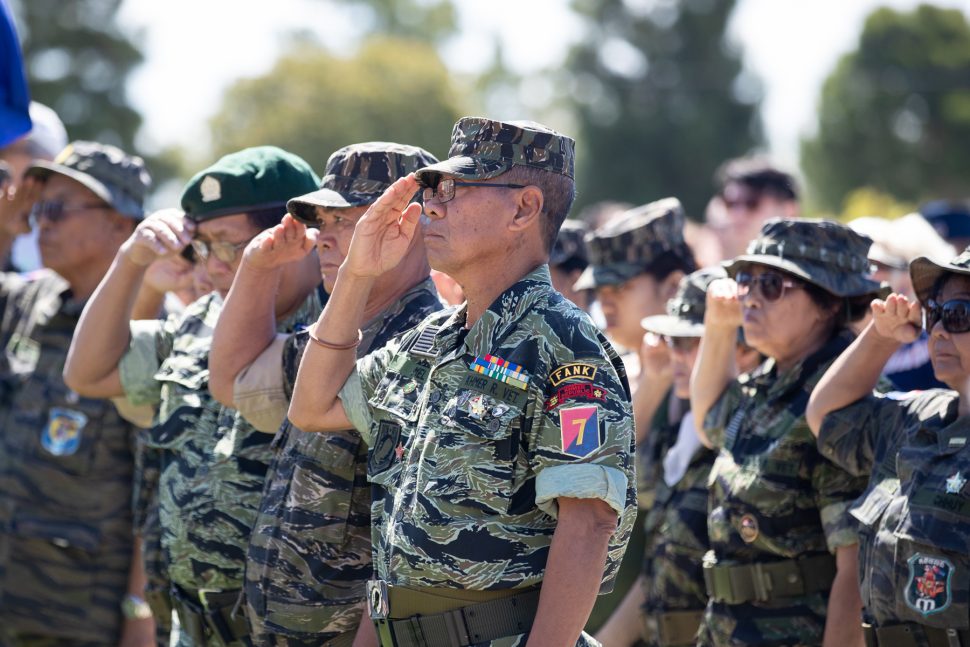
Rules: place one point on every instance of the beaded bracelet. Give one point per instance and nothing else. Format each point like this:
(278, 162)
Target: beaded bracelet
(326, 344)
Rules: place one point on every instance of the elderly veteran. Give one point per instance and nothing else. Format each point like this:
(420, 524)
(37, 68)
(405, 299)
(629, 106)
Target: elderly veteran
(782, 565)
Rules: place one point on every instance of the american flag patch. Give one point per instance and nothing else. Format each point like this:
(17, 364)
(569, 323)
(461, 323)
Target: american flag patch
(501, 370)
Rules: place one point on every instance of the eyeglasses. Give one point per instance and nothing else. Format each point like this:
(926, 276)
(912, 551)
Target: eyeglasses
(682, 344)
(772, 285)
(56, 210)
(444, 190)
(222, 250)
(955, 315)
(749, 203)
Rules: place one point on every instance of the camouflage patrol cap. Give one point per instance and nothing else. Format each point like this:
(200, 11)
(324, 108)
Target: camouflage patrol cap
(483, 149)
(252, 179)
(685, 311)
(357, 175)
(625, 246)
(119, 179)
(926, 273)
(821, 252)
(570, 245)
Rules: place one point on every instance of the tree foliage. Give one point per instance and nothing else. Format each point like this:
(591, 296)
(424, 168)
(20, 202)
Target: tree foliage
(421, 20)
(894, 115)
(312, 102)
(661, 100)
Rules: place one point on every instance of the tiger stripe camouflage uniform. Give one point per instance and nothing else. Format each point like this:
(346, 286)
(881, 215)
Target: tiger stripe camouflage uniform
(310, 552)
(65, 480)
(471, 461)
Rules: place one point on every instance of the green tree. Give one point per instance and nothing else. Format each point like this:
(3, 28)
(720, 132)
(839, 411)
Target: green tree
(312, 102)
(421, 20)
(661, 100)
(894, 115)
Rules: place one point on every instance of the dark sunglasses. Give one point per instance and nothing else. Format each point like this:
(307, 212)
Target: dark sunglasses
(772, 285)
(682, 344)
(56, 210)
(955, 315)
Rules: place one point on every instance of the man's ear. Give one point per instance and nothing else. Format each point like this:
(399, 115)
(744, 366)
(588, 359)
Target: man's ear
(529, 202)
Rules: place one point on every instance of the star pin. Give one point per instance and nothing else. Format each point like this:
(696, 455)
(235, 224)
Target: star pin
(955, 483)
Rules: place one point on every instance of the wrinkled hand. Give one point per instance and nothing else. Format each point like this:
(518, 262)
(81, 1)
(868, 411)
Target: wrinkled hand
(655, 359)
(169, 274)
(288, 241)
(723, 307)
(16, 203)
(164, 233)
(384, 233)
(897, 318)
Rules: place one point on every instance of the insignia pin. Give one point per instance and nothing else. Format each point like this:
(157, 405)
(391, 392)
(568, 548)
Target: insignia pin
(955, 483)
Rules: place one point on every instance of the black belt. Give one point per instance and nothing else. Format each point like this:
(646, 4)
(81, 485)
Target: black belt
(912, 634)
(763, 581)
(207, 614)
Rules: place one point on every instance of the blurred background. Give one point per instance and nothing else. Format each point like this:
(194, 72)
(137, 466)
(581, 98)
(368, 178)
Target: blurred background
(867, 101)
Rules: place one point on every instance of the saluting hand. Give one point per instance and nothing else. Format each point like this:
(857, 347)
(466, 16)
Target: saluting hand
(654, 359)
(723, 307)
(384, 233)
(16, 201)
(285, 243)
(164, 233)
(897, 318)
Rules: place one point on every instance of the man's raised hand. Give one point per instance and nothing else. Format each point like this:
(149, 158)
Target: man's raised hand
(285, 243)
(164, 233)
(897, 318)
(384, 233)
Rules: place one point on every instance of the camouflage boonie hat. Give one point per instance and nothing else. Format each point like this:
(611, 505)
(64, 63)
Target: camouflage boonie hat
(119, 179)
(821, 252)
(252, 179)
(483, 149)
(925, 273)
(685, 311)
(357, 175)
(570, 245)
(626, 245)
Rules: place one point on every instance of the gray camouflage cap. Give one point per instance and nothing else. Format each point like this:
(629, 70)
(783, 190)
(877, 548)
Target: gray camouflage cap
(821, 252)
(685, 311)
(116, 177)
(926, 273)
(357, 175)
(483, 149)
(570, 245)
(626, 245)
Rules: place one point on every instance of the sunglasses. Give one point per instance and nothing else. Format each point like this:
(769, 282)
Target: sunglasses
(444, 190)
(955, 315)
(772, 285)
(56, 210)
(749, 203)
(222, 250)
(682, 344)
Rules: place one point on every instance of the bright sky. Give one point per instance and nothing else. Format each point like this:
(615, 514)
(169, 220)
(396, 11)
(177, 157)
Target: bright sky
(195, 49)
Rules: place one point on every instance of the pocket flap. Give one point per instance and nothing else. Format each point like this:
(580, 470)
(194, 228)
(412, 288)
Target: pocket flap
(58, 532)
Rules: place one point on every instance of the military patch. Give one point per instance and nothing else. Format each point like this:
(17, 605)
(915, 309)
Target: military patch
(423, 346)
(580, 430)
(386, 441)
(210, 189)
(62, 435)
(23, 353)
(573, 391)
(481, 383)
(572, 372)
(928, 586)
(955, 483)
(501, 370)
(749, 530)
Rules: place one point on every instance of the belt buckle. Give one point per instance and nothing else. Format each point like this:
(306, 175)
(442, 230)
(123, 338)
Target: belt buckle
(377, 601)
(762, 583)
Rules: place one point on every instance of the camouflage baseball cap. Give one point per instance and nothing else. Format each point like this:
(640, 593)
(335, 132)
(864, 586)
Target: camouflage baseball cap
(926, 273)
(626, 245)
(252, 179)
(357, 175)
(570, 245)
(483, 149)
(685, 311)
(119, 179)
(821, 252)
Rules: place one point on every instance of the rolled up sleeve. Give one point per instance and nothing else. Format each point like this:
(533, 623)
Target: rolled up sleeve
(258, 389)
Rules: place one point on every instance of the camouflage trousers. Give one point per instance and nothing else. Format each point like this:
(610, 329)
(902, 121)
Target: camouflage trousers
(799, 622)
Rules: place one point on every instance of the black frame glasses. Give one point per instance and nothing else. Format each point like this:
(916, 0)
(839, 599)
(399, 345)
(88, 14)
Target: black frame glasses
(771, 285)
(444, 190)
(954, 314)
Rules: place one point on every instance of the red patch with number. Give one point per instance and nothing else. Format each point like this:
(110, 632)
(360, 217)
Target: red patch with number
(580, 430)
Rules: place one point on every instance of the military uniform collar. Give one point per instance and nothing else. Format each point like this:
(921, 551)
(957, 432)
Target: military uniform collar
(375, 326)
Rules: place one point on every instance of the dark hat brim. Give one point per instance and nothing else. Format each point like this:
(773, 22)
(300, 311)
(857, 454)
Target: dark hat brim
(831, 280)
(303, 207)
(465, 167)
(595, 276)
(925, 273)
(43, 169)
(672, 326)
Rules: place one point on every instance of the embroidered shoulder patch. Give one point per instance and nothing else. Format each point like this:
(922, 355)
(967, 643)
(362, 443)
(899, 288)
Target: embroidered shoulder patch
(575, 372)
(928, 586)
(569, 392)
(62, 434)
(580, 430)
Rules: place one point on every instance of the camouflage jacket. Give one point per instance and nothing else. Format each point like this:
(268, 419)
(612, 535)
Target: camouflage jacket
(310, 550)
(773, 496)
(215, 462)
(914, 553)
(475, 433)
(65, 477)
(650, 454)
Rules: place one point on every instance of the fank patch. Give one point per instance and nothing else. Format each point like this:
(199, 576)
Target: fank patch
(501, 370)
(62, 435)
(572, 373)
(573, 391)
(580, 430)
(928, 586)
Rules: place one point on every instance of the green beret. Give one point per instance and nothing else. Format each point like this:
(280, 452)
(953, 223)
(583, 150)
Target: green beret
(253, 179)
